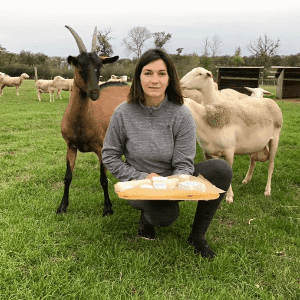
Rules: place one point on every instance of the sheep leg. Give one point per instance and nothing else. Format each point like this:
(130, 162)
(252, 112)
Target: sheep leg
(107, 210)
(229, 158)
(250, 170)
(17, 88)
(71, 157)
(272, 152)
(39, 95)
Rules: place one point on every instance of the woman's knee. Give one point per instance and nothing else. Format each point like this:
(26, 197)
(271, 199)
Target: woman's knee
(162, 213)
(216, 171)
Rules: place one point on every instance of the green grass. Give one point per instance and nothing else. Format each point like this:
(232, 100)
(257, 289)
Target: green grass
(81, 255)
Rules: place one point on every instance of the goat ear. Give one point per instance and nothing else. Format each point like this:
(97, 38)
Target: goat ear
(72, 60)
(109, 60)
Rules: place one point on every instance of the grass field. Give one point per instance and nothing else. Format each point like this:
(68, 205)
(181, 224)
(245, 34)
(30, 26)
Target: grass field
(81, 255)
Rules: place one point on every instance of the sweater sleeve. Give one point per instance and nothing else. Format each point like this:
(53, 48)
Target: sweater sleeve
(113, 149)
(185, 147)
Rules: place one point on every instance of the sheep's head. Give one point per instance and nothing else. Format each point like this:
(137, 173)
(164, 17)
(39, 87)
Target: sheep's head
(88, 66)
(196, 79)
(258, 92)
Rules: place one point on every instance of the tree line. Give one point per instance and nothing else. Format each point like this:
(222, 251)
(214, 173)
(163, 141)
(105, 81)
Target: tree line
(264, 52)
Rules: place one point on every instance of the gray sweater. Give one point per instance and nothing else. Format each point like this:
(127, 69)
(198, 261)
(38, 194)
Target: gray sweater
(153, 140)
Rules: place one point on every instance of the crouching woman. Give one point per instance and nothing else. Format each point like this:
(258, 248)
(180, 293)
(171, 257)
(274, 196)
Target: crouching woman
(157, 135)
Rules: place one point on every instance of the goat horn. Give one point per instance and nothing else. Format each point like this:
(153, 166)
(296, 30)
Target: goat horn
(94, 42)
(78, 40)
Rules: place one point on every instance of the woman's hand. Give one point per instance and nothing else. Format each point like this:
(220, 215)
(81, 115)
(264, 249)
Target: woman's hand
(151, 175)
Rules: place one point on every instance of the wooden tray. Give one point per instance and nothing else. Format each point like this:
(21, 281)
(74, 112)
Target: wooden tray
(211, 193)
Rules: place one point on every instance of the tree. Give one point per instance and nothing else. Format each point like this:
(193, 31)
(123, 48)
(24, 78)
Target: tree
(215, 45)
(237, 60)
(161, 38)
(206, 46)
(135, 40)
(263, 49)
(104, 48)
(179, 50)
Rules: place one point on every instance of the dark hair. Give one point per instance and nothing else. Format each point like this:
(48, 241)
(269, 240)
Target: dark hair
(173, 89)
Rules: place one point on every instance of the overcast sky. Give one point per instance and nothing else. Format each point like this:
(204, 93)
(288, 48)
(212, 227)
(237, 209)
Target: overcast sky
(39, 26)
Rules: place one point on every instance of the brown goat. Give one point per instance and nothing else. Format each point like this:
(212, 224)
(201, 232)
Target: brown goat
(87, 115)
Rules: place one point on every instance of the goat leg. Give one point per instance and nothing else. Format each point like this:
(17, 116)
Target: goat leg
(71, 157)
(107, 210)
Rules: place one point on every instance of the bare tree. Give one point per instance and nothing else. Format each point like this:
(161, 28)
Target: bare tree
(104, 48)
(263, 48)
(161, 38)
(215, 45)
(206, 47)
(135, 40)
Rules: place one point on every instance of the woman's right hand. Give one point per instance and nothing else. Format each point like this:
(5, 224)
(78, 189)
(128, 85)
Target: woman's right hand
(151, 175)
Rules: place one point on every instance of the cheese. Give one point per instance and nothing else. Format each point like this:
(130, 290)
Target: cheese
(192, 186)
(146, 186)
(141, 182)
(184, 177)
(123, 186)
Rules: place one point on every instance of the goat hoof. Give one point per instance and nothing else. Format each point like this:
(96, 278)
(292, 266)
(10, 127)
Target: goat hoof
(61, 210)
(107, 212)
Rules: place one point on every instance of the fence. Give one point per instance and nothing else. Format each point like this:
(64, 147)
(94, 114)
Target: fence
(288, 82)
(237, 78)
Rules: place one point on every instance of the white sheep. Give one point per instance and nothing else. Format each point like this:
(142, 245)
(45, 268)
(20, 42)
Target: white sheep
(62, 84)
(8, 81)
(114, 78)
(227, 128)
(45, 86)
(255, 92)
(193, 94)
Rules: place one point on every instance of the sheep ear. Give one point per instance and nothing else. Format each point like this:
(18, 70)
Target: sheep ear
(267, 92)
(249, 89)
(109, 60)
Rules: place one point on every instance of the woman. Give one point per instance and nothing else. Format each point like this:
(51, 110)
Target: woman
(157, 135)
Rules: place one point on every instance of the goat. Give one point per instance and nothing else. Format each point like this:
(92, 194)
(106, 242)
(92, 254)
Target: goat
(62, 84)
(44, 86)
(241, 127)
(8, 81)
(87, 115)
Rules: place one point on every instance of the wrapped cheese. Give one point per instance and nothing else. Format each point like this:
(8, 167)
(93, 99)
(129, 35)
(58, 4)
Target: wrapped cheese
(192, 186)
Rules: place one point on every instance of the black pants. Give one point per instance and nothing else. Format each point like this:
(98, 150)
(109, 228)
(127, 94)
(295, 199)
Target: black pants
(164, 213)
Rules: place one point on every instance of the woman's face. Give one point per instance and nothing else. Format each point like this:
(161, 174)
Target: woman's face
(154, 80)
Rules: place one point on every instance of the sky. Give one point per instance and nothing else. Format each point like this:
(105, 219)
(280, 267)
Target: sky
(39, 26)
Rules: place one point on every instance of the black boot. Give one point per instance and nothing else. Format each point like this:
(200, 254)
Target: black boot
(203, 217)
(146, 230)
(197, 237)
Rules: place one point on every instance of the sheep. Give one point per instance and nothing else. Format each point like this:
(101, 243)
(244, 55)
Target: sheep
(117, 78)
(87, 115)
(255, 92)
(192, 94)
(44, 86)
(12, 81)
(61, 83)
(247, 126)
(258, 92)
